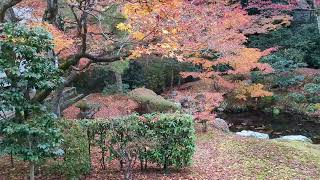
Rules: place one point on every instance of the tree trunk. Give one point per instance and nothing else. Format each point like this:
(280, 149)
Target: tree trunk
(119, 82)
(51, 13)
(11, 159)
(317, 8)
(11, 16)
(4, 6)
(31, 171)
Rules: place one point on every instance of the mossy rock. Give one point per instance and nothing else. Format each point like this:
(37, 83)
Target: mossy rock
(151, 102)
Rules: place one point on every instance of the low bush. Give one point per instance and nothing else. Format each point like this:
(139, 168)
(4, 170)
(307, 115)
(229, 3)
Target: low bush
(165, 139)
(76, 161)
(175, 140)
(312, 89)
(152, 101)
(286, 81)
(299, 46)
(297, 97)
(155, 73)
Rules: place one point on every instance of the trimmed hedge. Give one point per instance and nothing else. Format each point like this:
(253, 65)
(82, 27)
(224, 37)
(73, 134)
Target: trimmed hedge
(152, 101)
(165, 139)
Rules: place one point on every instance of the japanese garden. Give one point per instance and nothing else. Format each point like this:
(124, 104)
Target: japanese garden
(159, 89)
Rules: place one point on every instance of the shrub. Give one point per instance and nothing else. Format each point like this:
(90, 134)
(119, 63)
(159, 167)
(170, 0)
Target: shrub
(286, 81)
(299, 46)
(297, 97)
(313, 107)
(34, 141)
(111, 89)
(282, 63)
(312, 89)
(155, 73)
(175, 138)
(152, 101)
(76, 161)
(95, 79)
(166, 139)
(129, 137)
(257, 77)
(134, 75)
(316, 79)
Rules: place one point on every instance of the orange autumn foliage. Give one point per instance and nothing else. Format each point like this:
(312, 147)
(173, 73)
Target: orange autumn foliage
(245, 92)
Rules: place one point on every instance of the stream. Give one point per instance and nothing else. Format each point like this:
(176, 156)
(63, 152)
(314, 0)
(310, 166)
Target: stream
(275, 126)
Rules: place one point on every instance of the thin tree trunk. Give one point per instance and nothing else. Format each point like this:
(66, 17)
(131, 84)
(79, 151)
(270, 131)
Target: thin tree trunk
(51, 13)
(317, 8)
(4, 6)
(31, 170)
(119, 82)
(11, 16)
(11, 159)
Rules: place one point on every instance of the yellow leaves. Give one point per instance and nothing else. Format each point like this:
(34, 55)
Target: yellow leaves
(165, 31)
(244, 91)
(174, 31)
(135, 54)
(135, 9)
(18, 40)
(124, 27)
(138, 35)
(244, 61)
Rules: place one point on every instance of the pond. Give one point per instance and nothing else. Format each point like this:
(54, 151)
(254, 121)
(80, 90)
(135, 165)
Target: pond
(275, 126)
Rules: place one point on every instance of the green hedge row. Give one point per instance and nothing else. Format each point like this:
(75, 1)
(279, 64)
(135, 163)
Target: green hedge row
(164, 139)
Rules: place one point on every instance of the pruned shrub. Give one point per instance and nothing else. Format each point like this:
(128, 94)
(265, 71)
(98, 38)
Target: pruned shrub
(311, 89)
(175, 138)
(152, 102)
(76, 160)
(165, 139)
(286, 81)
(297, 97)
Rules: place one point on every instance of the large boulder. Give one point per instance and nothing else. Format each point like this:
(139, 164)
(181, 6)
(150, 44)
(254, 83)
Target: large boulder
(295, 138)
(253, 134)
(221, 124)
(151, 102)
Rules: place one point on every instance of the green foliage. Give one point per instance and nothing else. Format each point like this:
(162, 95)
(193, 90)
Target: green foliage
(95, 79)
(119, 66)
(257, 77)
(175, 137)
(24, 58)
(313, 107)
(152, 101)
(297, 97)
(129, 136)
(281, 62)
(316, 79)
(134, 75)
(286, 81)
(299, 46)
(35, 140)
(76, 159)
(155, 73)
(312, 89)
(111, 89)
(166, 139)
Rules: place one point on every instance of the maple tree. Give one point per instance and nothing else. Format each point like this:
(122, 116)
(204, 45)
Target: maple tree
(206, 33)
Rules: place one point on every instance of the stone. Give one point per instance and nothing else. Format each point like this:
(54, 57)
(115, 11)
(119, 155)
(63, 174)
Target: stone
(220, 109)
(186, 102)
(221, 124)
(253, 134)
(295, 138)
